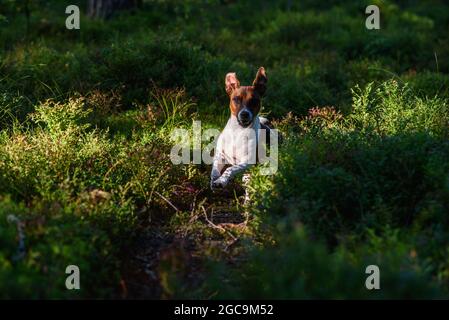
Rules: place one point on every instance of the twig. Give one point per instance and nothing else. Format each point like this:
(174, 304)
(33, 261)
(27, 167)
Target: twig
(192, 213)
(21, 235)
(213, 225)
(166, 200)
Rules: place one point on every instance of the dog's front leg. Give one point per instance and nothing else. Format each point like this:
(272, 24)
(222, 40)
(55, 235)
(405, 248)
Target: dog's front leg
(217, 167)
(228, 174)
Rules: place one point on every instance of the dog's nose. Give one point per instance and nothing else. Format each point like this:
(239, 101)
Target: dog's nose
(245, 115)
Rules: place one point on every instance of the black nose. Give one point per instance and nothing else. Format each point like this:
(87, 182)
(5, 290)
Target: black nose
(244, 115)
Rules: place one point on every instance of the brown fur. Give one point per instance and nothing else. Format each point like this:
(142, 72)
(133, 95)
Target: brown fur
(246, 96)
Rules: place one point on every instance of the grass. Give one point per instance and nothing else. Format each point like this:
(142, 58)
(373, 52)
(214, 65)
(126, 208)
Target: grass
(86, 176)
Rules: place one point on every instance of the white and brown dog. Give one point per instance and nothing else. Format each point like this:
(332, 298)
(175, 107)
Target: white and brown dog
(241, 144)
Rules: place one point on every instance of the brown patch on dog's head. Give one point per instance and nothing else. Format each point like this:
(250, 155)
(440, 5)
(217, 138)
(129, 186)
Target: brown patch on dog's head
(231, 82)
(260, 82)
(249, 97)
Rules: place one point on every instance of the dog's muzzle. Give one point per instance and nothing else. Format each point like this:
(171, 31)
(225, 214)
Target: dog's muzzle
(245, 117)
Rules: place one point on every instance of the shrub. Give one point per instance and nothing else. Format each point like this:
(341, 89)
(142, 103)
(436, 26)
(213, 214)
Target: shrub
(54, 237)
(300, 268)
(345, 178)
(12, 108)
(392, 109)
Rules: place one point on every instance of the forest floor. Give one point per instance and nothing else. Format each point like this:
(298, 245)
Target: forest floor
(215, 225)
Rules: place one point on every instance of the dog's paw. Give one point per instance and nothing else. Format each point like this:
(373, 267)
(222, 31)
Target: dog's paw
(216, 186)
(219, 183)
(212, 180)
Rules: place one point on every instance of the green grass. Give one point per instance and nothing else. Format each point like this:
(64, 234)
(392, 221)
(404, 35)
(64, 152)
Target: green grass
(85, 170)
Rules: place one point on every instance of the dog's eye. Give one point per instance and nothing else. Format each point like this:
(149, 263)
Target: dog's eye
(253, 102)
(237, 100)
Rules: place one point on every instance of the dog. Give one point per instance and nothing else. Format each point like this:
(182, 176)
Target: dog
(240, 145)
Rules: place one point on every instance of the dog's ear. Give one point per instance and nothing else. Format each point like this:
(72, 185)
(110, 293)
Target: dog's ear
(231, 82)
(260, 83)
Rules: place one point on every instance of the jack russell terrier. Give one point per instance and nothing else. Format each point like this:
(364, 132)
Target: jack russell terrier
(242, 142)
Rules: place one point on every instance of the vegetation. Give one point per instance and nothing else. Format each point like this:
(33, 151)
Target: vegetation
(85, 171)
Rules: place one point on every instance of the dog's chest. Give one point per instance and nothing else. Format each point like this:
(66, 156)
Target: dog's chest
(239, 145)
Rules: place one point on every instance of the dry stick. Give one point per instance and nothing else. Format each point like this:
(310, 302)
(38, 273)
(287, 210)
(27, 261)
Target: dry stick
(21, 235)
(153, 187)
(166, 200)
(110, 169)
(195, 216)
(192, 216)
(218, 227)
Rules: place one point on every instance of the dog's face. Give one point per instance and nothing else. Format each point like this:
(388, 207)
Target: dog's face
(245, 100)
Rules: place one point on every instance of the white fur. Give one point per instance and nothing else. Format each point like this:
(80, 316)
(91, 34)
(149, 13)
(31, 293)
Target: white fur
(237, 147)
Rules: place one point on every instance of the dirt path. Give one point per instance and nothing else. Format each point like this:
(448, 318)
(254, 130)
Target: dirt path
(168, 256)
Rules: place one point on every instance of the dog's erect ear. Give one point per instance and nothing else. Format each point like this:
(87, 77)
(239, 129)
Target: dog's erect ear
(231, 82)
(260, 83)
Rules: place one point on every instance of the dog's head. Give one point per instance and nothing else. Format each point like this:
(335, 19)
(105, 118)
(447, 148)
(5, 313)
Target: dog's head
(245, 100)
